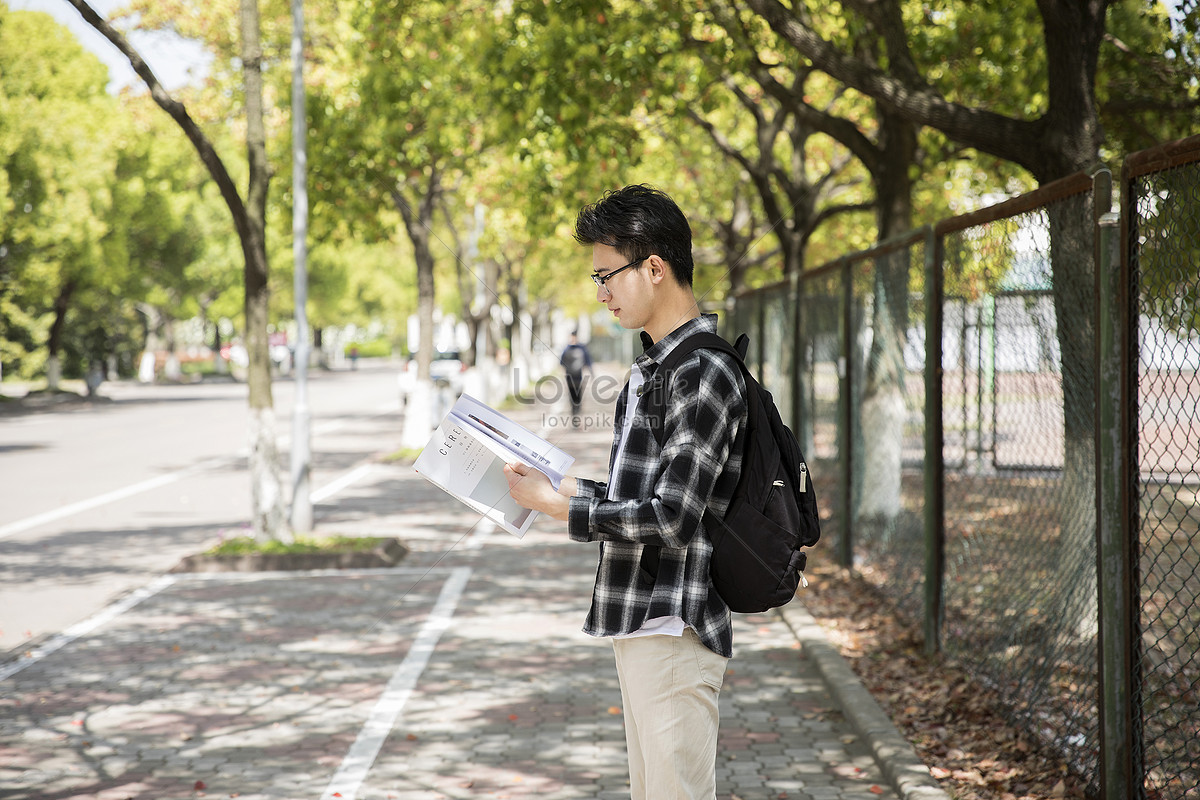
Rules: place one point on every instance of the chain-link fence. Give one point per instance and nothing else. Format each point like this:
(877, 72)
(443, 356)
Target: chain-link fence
(1163, 203)
(1018, 408)
(886, 365)
(971, 495)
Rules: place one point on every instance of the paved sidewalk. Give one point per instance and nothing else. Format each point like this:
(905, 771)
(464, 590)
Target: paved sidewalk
(460, 674)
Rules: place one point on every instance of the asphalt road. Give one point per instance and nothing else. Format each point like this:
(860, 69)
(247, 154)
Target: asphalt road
(98, 498)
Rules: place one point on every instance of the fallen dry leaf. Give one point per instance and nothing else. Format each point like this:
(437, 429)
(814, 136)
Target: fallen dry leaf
(952, 721)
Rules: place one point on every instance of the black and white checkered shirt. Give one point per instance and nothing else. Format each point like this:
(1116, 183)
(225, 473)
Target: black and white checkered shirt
(658, 496)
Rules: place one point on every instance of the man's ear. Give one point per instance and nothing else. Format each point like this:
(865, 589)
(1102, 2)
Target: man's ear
(659, 270)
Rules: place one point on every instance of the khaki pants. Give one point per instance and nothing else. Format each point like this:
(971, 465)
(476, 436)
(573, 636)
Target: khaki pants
(670, 686)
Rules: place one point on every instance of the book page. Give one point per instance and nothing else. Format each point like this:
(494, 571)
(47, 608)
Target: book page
(524, 444)
(470, 466)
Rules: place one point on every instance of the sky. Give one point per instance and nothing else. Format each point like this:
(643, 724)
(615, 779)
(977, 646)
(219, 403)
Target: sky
(176, 61)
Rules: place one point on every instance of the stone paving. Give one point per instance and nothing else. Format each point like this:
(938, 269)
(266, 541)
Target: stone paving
(461, 673)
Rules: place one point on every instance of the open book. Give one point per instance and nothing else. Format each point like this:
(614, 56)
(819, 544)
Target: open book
(466, 459)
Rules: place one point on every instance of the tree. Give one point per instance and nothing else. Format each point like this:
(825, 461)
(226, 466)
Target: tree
(1049, 124)
(760, 109)
(58, 161)
(476, 278)
(812, 142)
(249, 218)
(396, 119)
(162, 222)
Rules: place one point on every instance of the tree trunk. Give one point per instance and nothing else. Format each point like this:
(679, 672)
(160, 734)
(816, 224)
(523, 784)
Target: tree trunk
(268, 505)
(883, 406)
(319, 346)
(220, 365)
(62, 304)
(1071, 256)
(268, 502)
(418, 222)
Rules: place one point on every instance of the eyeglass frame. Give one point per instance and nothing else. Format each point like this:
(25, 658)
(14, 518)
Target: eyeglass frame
(600, 280)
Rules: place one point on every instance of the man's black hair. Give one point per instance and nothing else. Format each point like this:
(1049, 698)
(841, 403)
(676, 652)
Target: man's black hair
(639, 221)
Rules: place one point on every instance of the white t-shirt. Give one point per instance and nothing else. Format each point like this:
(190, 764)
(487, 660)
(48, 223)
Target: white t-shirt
(659, 626)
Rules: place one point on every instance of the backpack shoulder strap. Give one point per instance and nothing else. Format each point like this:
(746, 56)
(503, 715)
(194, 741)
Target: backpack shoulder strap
(656, 401)
(703, 340)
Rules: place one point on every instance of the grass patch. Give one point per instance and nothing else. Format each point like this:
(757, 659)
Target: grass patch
(511, 403)
(405, 455)
(248, 545)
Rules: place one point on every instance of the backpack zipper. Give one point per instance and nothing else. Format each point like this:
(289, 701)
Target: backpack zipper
(803, 478)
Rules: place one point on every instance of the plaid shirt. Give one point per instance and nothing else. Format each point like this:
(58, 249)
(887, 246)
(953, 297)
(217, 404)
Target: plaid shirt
(660, 496)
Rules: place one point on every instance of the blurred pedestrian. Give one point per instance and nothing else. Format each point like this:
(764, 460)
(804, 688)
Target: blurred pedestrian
(575, 359)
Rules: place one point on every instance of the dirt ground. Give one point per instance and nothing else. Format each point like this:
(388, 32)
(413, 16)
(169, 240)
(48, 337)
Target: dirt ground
(955, 724)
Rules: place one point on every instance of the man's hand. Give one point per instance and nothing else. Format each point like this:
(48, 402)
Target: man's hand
(532, 489)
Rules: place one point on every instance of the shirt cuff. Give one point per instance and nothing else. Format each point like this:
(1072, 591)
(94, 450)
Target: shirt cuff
(579, 516)
(585, 487)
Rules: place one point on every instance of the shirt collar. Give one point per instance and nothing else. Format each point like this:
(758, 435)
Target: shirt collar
(656, 351)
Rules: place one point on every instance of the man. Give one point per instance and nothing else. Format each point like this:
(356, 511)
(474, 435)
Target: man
(575, 359)
(671, 631)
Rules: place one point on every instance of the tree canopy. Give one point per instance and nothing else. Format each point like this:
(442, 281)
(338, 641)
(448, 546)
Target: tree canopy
(450, 146)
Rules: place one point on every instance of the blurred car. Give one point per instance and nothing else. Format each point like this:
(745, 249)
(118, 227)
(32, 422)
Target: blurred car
(446, 371)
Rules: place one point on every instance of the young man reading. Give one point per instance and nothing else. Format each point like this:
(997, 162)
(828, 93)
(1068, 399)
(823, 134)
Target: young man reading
(671, 631)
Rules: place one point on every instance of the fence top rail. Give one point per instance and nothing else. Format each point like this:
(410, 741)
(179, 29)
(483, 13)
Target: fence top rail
(887, 246)
(1161, 157)
(1069, 186)
(1062, 188)
(891, 245)
(766, 288)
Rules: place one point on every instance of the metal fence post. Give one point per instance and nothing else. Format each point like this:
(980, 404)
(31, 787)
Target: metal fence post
(845, 415)
(760, 340)
(935, 465)
(801, 420)
(1116, 545)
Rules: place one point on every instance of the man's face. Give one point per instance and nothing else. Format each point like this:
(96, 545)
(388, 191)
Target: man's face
(625, 293)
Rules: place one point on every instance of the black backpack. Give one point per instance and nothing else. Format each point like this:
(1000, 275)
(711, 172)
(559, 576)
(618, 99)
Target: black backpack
(573, 360)
(757, 561)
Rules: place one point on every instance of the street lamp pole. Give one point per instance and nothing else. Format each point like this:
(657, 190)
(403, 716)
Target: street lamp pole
(302, 508)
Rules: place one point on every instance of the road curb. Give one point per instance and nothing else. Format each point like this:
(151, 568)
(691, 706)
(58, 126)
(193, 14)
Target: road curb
(899, 762)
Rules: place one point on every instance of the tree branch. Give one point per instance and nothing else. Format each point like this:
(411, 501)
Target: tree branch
(177, 111)
(842, 130)
(994, 133)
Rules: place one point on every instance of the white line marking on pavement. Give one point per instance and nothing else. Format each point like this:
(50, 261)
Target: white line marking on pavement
(107, 497)
(171, 477)
(71, 509)
(358, 761)
(330, 489)
(483, 529)
(58, 641)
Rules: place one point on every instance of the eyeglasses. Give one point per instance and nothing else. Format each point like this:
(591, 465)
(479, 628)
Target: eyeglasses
(600, 280)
